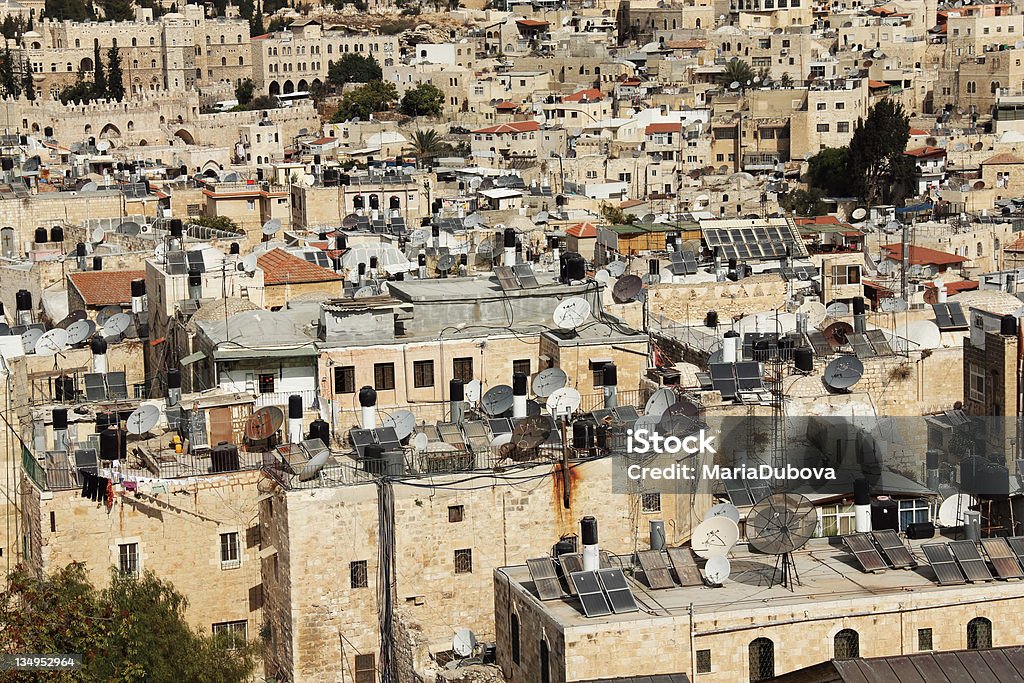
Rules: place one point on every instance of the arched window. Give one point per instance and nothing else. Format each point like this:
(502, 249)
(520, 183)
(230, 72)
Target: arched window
(761, 653)
(222, 40)
(238, 38)
(979, 634)
(394, 203)
(131, 125)
(135, 64)
(847, 644)
(374, 201)
(135, 42)
(223, 61)
(78, 43)
(152, 41)
(241, 61)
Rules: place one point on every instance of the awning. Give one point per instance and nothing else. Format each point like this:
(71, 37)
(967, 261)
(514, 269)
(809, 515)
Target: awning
(192, 358)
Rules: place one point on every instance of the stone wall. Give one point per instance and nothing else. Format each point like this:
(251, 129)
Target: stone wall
(688, 303)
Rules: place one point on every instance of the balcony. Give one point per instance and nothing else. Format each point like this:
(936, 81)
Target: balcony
(761, 162)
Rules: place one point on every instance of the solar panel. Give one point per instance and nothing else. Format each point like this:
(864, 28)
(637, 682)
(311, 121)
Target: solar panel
(506, 278)
(942, 318)
(864, 550)
(970, 560)
(85, 459)
(570, 564)
(737, 492)
(500, 425)
(949, 316)
(195, 261)
(1017, 545)
(860, 346)
(620, 597)
(818, 343)
(749, 375)
(176, 263)
(686, 568)
(942, 562)
(95, 386)
(1002, 558)
(117, 386)
(626, 414)
(318, 258)
(524, 272)
(542, 571)
(477, 435)
(588, 588)
(451, 434)
(879, 343)
(893, 549)
(956, 313)
(655, 569)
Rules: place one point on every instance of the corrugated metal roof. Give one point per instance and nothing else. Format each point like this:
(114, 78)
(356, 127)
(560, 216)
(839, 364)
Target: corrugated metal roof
(997, 664)
(661, 678)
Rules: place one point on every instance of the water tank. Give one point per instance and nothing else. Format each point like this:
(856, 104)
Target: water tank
(224, 457)
(64, 389)
(23, 300)
(195, 278)
(104, 420)
(456, 390)
(885, 514)
(173, 378)
(60, 419)
(711, 319)
(294, 407)
(581, 435)
(1008, 326)
(176, 227)
(80, 251)
(41, 236)
(367, 397)
(138, 288)
(98, 346)
(993, 481)
(931, 459)
(319, 429)
(56, 234)
(234, 248)
(575, 267)
(565, 546)
(109, 448)
(803, 358)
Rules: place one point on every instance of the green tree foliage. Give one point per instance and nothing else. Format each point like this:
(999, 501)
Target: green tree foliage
(786, 81)
(217, 223)
(365, 100)
(615, 215)
(829, 171)
(12, 27)
(80, 91)
(115, 76)
(28, 87)
(10, 80)
(425, 99)
(426, 145)
(134, 630)
(74, 10)
(244, 91)
(99, 75)
(736, 70)
(353, 67)
(803, 202)
(878, 167)
(118, 10)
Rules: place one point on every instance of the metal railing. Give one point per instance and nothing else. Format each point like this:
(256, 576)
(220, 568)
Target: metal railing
(280, 398)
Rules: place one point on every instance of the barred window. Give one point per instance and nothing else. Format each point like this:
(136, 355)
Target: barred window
(464, 561)
(357, 574)
(423, 373)
(847, 644)
(128, 558)
(703, 661)
(231, 635)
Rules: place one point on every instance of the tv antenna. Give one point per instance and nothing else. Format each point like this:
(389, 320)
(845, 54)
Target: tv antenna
(779, 525)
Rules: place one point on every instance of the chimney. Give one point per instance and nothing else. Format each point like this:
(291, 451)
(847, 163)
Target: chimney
(23, 306)
(173, 387)
(591, 556)
(510, 247)
(610, 377)
(60, 429)
(98, 345)
(519, 382)
(295, 419)
(368, 407)
(862, 505)
(138, 296)
(457, 400)
(859, 321)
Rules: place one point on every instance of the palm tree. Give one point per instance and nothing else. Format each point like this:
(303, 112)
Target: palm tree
(426, 144)
(737, 71)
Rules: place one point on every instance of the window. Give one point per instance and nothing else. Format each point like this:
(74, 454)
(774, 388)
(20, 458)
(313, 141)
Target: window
(913, 511)
(650, 502)
(979, 634)
(820, 106)
(847, 644)
(977, 388)
(822, 128)
(703, 661)
(464, 561)
(357, 574)
(251, 204)
(231, 635)
(522, 366)
(843, 127)
(598, 371)
(840, 105)
(845, 275)
(366, 669)
(761, 653)
(128, 558)
(924, 639)
(545, 668)
(423, 373)
(266, 382)
(836, 520)
(462, 368)
(513, 634)
(383, 376)
(229, 555)
(345, 379)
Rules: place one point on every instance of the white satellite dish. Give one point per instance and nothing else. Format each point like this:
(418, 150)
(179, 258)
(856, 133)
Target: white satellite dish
(500, 440)
(953, 511)
(472, 390)
(727, 510)
(859, 213)
(715, 537)
(616, 268)
(717, 570)
(90, 187)
(564, 401)
(249, 263)
(311, 468)
(142, 419)
(102, 145)
(403, 421)
(97, 235)
(29, 338)
(464, 642)
(116, 325)
(660, 401)
(548, 381)
(603, 276)
(52, 342)
(420, 442)
(160, 251)
(922, 334)
(271, 227)
(364, 292)
(571, 313)
(815, 312)
(80, 330)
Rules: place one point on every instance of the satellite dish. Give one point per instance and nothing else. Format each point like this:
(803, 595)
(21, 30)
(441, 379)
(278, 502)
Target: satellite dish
(129, 228)
(105, 314)
(571, 313)
(117, 325)
(646, 423)
(143, 419)
(264, 423)
(836, 333)
(548, 381)
(497, 400)
(97, 235)
(472, 390)
(418, 237)
(843, 372)
(90, 187)
(420, 442)
(52, 342)
(445, 263)
(311, 468)
(271, 227)
(464, 642)
(160, 251)
(231, 177)
(836, 309)
(715, 537)
(79, 331)
(403, 422)
(29, 338)
(859, 214)
(564, 401)
(627, 289)
(815, 312)
(953, 511)
(922, 334)
(364, 292)
(735, 85)
(717, 570)
(603, 276)
(530, 432)
(781, 523)
(893, 304)
(350, 221)
(102, 145)
(616, 268)
(249, 263)
(727, 510)
(660, 401)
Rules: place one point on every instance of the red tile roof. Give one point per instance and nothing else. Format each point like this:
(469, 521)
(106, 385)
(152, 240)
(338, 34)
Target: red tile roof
(506, 104)
(532, 23)
(653, 128)
(514, 127)
(922, 256)
(321, 141)
(956, 287)
(918, 131)
(1004, 158)
(591, 94)
(582, 230)
(817, 220)
(1015, 247)
(280, 267)
(923, 152)
(106, 287)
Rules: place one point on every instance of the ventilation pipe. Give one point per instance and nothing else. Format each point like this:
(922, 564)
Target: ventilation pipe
(295, 419)
(457, 400)
(368, 407)
(173, 387)
(862, 505)
(361, 272)
(510, 247)
(729, 346)
(610, 377)
(23, 306)
(519, 384)
(555, 251)
(435, 235)
(591, 556)
(80, 254)
(60, 429)
(138, 296)
(98, 345)
(195, 284)
(859, 320)
(654, 270)
(657, 531)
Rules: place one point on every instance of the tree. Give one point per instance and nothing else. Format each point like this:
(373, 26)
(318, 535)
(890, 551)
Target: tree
(426, 145)
(353, 67)
(28, 86)
(218, 223)
(118, 10)
(81, 91)
(615, 215)
(365, 100)
(244, 91)
(803, 202)
(99, 76)
(879, 170)
(74, 10)
(829, 171)
(786, 81)
(134, 630)
(425, 99)
(10, 83)
(736, 71)
(115, 77)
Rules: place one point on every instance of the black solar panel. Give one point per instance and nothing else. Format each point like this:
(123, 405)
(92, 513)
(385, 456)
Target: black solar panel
(195, 261)
(620, 597)
(737, 492)
(655, 569)
(499, 425)
(525, 275)
(749, 376)
(864, 550)
(506, 278)
(117, 386)
(686, 568)
(893, 549)
(1002, 558)
(818, 343)
(956, 313)
(860, 346)
(949, 316)
(967, 556)
(542, 571)
(625, 414)
(943, 563)
(95, 386)
(570, 564)
(588, 588)
(176, 263)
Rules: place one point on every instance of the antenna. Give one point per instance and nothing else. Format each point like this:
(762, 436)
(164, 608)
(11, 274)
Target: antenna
(264, 423)
(497, 401)
(779, 525)
(271, 227)
(571, 313)
(116, 325)
(79, 331)
(403, 422)
(548, 381)
(727, 510)
(843, 372)
(51, 343)
(143, 419)
(715, 537)
(660, 401)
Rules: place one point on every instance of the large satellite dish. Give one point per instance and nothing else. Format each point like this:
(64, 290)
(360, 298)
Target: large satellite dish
(836, 309)
(52, 342)
(953, 510)
(627, 288)
(564, 401)
(464, 642)
(616, 268)
(403, 422)
(781, 523)
(603, 276)
(836, 333)
(29, 338)
(129, 228)
(472, 390)
(90, 187)
(264, 423)
(922, 334)
(249, 263)
(815, 312)
(117, 325)
(311, 468)
(445, 263)
(106, 313)
(843, 372)
(271, 227)
(497, 400)
(859, 214)
(717, 569)
(530, 432)
(142, 419)
(724, 510)
(548, 381)
(571, 313)
(660, 401)
(715, 537)
(364, 292)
